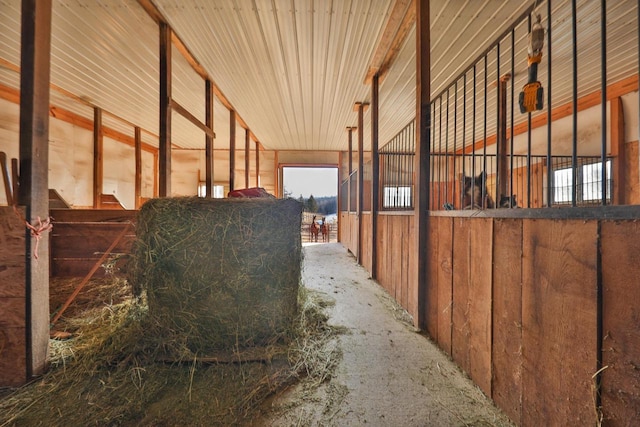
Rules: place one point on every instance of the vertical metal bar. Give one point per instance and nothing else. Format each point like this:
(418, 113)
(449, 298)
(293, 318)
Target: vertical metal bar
(455, 140)
(473, 136)
(511, 132)
(464, 137)
(484, 131)
(574, 152)
(603, 102)
(432, 159)
(549, 110)
(446, 154)
(529, 140)
(439, 157)
(499, 124)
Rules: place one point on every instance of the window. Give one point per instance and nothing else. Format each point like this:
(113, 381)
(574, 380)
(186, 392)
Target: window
(397, 197)
(589, 184)
(218, 190)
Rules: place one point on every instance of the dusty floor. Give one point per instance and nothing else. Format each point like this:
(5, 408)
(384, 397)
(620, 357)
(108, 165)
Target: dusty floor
(388, 374)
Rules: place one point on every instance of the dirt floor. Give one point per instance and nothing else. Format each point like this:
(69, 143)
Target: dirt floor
(388, 373)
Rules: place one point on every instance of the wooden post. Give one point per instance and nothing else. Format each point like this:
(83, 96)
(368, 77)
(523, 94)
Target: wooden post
(209, 139)
(34, 174)
(232, 149)
(138, 178)
(418, 302)
(98, 150)
(351, 129)
(165, 111)
(257, 164)
(375, 175)
(247, 153)
(340, 207)
(276, 168)
(360, 202)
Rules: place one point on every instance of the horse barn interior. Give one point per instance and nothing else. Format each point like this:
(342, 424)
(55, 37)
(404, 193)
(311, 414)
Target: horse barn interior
(488, 183)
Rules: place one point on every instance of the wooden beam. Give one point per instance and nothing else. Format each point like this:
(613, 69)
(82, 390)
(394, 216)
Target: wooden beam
(418, 301)
(157, 16)
(360, 202)
(351, 129)
(209, 138)
(503, 172)
(175, 106)
(399, 24)
(138, 156)
(247, 153)
(165, 111)
(98, 153)
(618, 151)
(232, 149)
(257, 164)
(35, 57)
(275, 173)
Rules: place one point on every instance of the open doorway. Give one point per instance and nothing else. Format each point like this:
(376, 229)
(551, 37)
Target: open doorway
(317, 189)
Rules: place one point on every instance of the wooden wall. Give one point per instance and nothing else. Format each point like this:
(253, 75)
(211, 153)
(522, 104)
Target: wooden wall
(81, 236)
(516, 303)
(13, 357)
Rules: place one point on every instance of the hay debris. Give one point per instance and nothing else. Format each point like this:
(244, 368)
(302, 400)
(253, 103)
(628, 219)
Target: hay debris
(108, 374)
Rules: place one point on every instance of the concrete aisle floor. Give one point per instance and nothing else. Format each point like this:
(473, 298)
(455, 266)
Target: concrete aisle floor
(388, 375)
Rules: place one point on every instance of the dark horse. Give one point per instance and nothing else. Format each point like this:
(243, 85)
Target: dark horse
(475, 194)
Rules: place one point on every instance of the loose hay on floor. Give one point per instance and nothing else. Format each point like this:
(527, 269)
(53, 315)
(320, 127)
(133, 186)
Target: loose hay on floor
(107, 375)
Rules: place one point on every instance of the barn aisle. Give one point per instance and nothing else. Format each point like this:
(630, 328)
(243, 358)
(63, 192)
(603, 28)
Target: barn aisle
(387, 375)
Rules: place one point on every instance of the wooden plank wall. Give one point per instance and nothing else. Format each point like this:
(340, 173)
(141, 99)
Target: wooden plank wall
(620, 247)
(366, 241)
(515, 303)
(80, 237)
(13, 358)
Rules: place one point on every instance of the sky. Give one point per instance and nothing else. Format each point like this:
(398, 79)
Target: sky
(321, 182)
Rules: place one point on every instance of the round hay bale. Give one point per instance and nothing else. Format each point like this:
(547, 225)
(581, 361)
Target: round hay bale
(219, 274)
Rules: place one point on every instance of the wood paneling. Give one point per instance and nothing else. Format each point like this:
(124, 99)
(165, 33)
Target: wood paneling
(480, 302)
(366, 241)
(559, 312)
(443, 276)
(621, 322)
(12, 299)
(460, 314)
(507, 317)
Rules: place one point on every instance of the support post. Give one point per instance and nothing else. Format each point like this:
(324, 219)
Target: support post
(247, 153)
(257, 164)
(617, 152)
(209, 139)
(375, 174)
(138, 177)
(165, 111)
(232, 149)
(423, 144)
(360, 202)
(34, 174)
(98, 150)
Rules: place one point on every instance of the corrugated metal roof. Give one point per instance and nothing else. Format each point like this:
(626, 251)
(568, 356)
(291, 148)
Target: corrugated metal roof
(293, 69)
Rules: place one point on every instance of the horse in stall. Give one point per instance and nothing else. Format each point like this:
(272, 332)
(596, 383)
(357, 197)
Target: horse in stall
(314, 230)
(475, 194)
